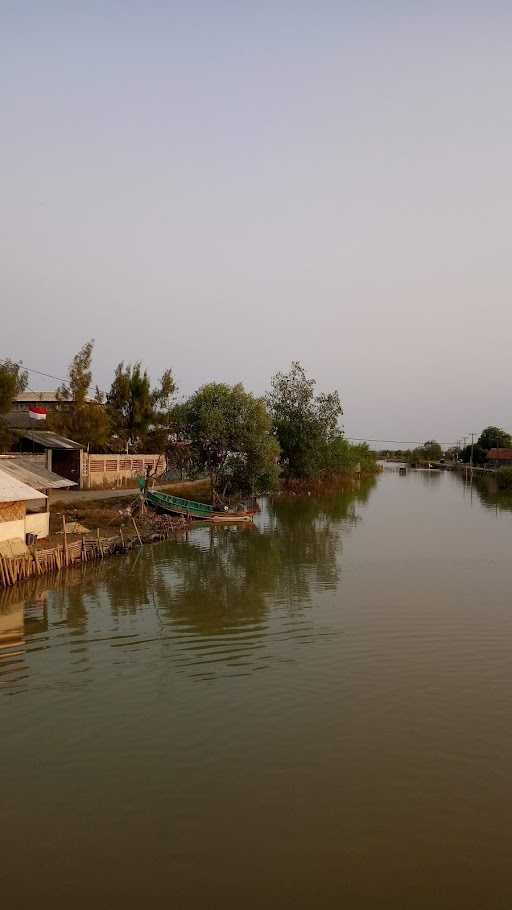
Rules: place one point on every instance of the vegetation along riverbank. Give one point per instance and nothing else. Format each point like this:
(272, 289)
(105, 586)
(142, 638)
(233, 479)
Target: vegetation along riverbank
(231, 444)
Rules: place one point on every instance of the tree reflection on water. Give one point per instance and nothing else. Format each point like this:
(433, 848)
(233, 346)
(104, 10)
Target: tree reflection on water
(229, 578)
(211, 581)
(484, 487)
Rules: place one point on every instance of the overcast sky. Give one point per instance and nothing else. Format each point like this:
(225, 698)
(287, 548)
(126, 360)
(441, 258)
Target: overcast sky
(222, 187)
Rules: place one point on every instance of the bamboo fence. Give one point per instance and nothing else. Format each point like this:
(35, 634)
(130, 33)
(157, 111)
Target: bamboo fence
(38, 561)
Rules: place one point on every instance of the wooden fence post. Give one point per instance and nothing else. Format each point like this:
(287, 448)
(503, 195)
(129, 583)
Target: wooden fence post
(65, 539)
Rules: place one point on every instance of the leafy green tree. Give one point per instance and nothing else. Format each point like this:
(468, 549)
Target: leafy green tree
(230, 434)
(494, 438)
(341, 457)
(304, 423)
(432, 450)
(429, 451)
(13, 380)
(80, 416)
(479, 454)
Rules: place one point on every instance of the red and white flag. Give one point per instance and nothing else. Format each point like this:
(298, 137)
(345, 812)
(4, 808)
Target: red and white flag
(37, 413)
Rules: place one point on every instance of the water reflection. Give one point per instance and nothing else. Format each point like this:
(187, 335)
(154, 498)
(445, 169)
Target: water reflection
(486, 490)
(430, 478)
(231, 575)
(212, 582)
(20, 619)
(325, 698)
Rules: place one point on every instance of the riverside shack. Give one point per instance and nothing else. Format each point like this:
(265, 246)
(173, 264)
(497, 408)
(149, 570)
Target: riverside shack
(34, 473)
(500, 457)
(23, 510)
(64, 456)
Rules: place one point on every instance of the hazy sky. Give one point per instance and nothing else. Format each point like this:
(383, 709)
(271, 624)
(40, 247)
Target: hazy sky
(222, 187)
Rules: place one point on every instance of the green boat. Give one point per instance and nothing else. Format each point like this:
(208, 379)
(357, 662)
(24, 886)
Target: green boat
(179, 506)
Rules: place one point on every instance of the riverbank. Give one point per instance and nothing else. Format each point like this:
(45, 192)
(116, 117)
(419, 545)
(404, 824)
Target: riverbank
(93, 529)
(324, 485)
(110, 509)
(94, 525)
(82, 546)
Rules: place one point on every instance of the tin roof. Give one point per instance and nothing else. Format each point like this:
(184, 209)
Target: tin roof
(13, 490)
(46, 396)
(33, 474)
(19, 420)
(499, 455)
(49, 440)
(31, 395)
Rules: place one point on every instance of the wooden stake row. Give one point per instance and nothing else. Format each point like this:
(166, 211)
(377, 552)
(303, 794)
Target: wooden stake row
(44, 561)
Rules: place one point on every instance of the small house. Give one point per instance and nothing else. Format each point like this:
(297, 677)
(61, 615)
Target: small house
(32, 470)
(64, 456)
(46, 400)
(20, 510)
(500, 457)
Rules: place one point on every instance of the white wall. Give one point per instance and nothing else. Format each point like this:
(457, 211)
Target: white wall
(10, 529)
(37, 523)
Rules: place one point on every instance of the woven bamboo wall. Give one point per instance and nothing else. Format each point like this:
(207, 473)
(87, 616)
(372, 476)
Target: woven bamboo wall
(12, 511)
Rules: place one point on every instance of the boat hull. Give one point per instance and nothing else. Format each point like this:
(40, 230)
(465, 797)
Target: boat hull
(175, 505)
(222, 517)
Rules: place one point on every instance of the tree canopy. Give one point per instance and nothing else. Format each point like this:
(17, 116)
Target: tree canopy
(230, 434)
(494, 438)
(13, 380)
(305, 424)
(141, 416)
(87, 420)
(431, 450)
(490, 438)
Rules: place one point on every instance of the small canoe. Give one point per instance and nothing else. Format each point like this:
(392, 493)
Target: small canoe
(248, 515)
(199, 510)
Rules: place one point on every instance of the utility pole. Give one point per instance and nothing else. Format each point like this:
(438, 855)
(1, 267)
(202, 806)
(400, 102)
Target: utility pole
(472, 446)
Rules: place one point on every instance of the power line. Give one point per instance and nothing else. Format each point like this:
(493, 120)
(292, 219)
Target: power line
(403, 442)
(40, 373)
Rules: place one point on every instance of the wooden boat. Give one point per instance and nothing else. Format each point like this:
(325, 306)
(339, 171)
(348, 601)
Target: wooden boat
(199, 510)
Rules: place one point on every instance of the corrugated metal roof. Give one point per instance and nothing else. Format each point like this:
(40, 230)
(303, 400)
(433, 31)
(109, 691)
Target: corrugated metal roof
(49, 440)
(20, 420)
(33, 474)
(12, 490)
(35, 396)
(499, 455)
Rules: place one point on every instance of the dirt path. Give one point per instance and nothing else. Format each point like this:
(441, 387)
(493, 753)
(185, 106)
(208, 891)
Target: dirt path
(74, 497)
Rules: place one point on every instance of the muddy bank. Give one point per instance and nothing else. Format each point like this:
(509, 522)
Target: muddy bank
(109, 514)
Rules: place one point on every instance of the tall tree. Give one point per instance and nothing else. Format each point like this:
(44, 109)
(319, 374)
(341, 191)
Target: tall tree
(79, 416)
(131, 404)
(13, 380)
(230, 434)
(432, 450)
(163, 421)
(494, 438)
(304, 423)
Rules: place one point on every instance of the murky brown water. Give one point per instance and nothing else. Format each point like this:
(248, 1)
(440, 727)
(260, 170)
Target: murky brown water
(313, 713)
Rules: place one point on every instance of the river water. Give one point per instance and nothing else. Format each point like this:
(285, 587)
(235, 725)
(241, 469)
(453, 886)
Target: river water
(314, 712)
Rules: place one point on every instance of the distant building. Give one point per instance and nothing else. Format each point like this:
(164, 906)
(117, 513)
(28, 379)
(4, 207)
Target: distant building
(500, 457)
(46, 399)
